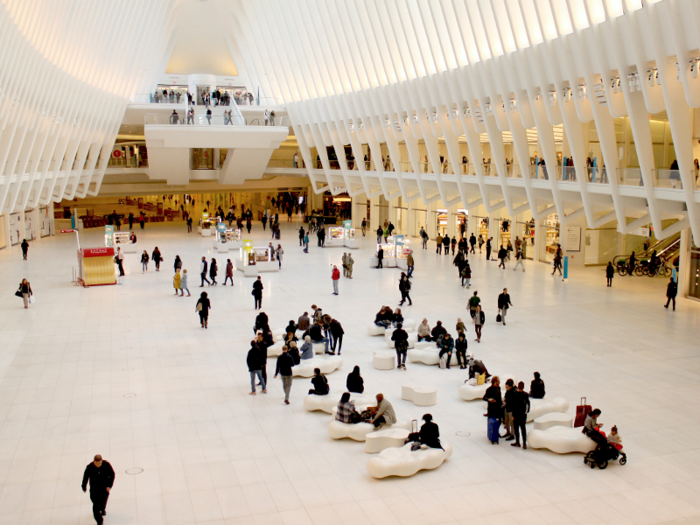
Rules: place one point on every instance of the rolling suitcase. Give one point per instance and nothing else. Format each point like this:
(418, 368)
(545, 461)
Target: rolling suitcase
(492, 429)
(581, 412)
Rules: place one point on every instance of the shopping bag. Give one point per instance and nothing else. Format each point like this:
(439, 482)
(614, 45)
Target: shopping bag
(31, 299)
(443, 361)
(498, 318)
(581, 412)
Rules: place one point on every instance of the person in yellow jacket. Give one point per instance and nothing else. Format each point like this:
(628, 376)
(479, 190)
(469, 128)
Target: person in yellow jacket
(177, 280)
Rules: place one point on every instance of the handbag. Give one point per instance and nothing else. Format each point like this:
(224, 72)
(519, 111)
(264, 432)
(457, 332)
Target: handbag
(443, 361)
(18, 293)
(498, 318)
(198, 308)
(480, 379)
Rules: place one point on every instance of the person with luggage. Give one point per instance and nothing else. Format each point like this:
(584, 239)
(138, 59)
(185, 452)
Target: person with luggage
(671, 292)
(494, 411)
(537, 387)
(520, 407)
(503, 305)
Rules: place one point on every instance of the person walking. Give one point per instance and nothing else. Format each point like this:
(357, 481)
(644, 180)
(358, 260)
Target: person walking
(461, 349)
(380, 234)
(350, 263)
(405, 289)
(189, 224)
(474, 301)
(479, 319)
(472, 242)
(183, 284)
(157, 258)
(120, 261)
(520, 407)
(203, 267)
(301, 236)
(100, 475)
(488, 249)
(178, 263)
(306, 242)
(255, 367)
(229, 272)
(203, 306)
(503, 304)
(279, 252)
(177, 282)
(557, 263)
(257, 292)
(609, 273)
(364, 226)
(285, 363)
(380, 258)
(481, 242)
(494, 409)
(671, 292)
(502, 254)
(25, 249)
(519, 256)
(400, 338)
(410, 264)
(446, 244)
(335, 277)
(144, 261)
(466, 275)
(25, 292)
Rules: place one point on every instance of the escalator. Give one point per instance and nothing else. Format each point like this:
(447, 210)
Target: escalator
(668, 248)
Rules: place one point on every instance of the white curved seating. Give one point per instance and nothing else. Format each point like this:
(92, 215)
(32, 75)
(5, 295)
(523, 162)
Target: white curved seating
(327, 365)
(389, 438)
(359, 431)
(424, 345)
(470, 392)
(409, 325)
(553, 419)
(319, 348)
(540, 407)
(384, 360)
(422, 396)
(404, 462)
(277, 335)
(330, 401)
(412, 338)
(561, 440)
(373, 329)
(428, 356)
(275, 349)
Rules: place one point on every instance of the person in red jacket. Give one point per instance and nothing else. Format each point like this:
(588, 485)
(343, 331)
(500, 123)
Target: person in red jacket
(335, 275)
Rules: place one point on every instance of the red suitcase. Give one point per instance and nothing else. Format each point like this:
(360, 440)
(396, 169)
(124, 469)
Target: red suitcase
(581, 412)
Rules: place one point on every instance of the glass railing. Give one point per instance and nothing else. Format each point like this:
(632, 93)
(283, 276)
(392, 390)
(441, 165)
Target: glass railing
(513, 171)
(406, 167)
(667, 179)
(696, 177)
(597, 175)
(489, 170)
(630, 177)
(538, 172)
(285, 163)
(211, 120)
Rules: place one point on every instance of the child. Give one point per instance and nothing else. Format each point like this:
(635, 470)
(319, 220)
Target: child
(460, 327)
(614, 438)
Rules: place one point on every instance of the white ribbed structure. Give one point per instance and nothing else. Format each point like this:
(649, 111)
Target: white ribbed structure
(403, 71)
(67, 71)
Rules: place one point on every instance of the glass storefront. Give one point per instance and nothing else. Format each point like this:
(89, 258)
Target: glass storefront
(694, 274)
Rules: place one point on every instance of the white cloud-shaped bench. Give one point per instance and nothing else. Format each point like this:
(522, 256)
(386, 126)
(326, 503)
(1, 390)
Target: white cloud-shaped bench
(553, 419)
(374, 329)
(327, 365)
(359, 431)
(403, 462)
(561, 440)
(470, 391)
(422, 396)
(546, 405)
(328, 402)
(389, 438)
(384, 360)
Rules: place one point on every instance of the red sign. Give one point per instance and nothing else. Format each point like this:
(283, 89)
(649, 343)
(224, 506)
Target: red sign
(67, 231)
(116, 153)
(98, 252)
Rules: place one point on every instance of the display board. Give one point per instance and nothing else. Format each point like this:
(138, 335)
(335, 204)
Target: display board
(14, 229)
(97, 266)
(573, 239)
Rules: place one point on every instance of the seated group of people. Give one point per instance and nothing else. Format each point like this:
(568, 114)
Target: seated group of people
(320, 328)
(387, 317)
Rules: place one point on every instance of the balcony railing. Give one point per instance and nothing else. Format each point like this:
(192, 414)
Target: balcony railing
(180, 97)
(123, 162)
(669, 179)
(212, 120)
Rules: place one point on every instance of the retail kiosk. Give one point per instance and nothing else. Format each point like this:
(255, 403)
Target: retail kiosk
(96, 266)
(349, 237)
(389, 260)
(254, 260)
(206, 225)
(336, 236)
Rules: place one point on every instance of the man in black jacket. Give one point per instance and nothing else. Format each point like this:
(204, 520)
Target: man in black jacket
(461, 348)
(520, 406)
(285, 363)
(488, 248)
(400, 338)
(100, 474)
(255, 366)
(316, 334)
(503, 304)
(671, 292)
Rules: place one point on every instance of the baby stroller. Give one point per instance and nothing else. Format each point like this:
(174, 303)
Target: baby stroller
(604, 452)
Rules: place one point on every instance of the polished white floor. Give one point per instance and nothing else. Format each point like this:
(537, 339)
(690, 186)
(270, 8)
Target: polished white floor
(214, 455)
